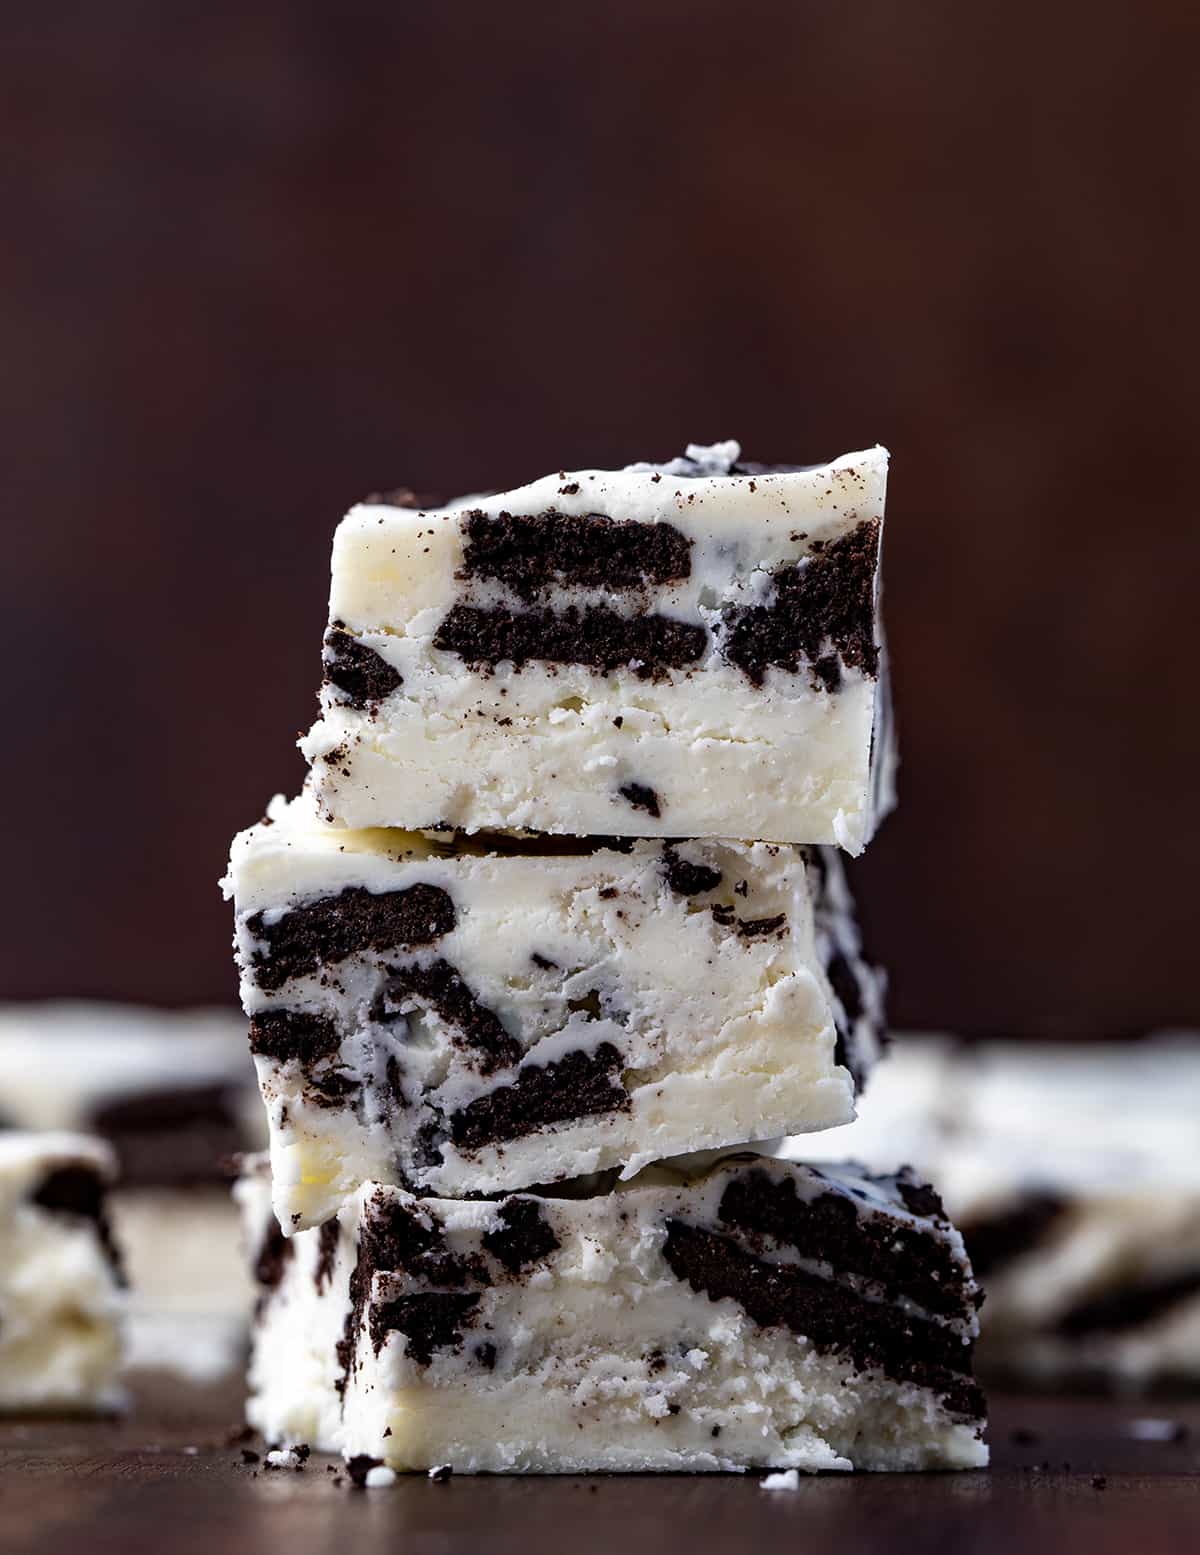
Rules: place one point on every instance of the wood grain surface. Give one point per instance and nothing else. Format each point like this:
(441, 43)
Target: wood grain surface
(1067, 1477)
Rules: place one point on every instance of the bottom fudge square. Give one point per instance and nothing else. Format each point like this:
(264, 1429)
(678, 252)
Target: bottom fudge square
(748, 1313)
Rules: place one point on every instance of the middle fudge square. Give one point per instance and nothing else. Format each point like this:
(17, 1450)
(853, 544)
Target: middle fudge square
(462, 1016)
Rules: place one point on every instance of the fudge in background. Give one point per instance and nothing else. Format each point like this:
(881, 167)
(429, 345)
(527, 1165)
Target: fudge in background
(1073, 1171)
(62, 1285)
(173, 1093)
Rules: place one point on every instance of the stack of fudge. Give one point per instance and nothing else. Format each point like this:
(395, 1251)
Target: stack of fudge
(552, 946)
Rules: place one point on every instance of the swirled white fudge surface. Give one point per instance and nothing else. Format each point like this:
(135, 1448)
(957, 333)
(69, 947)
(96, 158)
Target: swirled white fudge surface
(478, 1014)
(752, 1314)
(62, 1296)
(680, 650)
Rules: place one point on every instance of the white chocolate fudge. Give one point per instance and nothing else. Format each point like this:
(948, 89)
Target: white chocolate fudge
(758, 1314)
(476, 1016)
(690, 649)
(61, 1286)
(1073, 1171)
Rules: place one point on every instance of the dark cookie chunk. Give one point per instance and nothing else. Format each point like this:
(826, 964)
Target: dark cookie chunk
(578, 1085)
(172, 1136)
(430, 1321)
(333, 1089)
(531, 552)
(875, 1337)
(686, 878)
(77, 1189)
(395, 1236)
(843, 979)
(827, 597)
(327, 1246)
(334, 927)
(919, 1198)
(357, 672)
(641, 798)
(485, 1354)
(293, 1035)
(846, 990)
(1117, 1311)
(997, 1239)
(524, 1235)
(905, 1261)
(761, 928)
(274, 1255)
(597, 637)
(439, 986)
(360, 1466)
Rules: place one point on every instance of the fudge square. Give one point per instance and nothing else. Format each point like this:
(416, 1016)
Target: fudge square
(467, 1015)
(687, 649)
(754, 1314)
(62, 1299)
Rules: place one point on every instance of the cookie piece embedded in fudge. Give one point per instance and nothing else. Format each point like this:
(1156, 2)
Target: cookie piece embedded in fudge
(469, 1015)
(686, 649)
(756, 1314)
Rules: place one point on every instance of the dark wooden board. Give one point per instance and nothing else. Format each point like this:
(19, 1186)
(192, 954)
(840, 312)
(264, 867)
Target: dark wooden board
(1067, 1476)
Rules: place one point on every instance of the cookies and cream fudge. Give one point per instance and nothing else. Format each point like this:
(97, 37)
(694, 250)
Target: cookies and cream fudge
(755, 1314)
(171, 1090)
(174, 1094)
(679, 650)
(1073, 1171)
(479, 1014)
(61, 1283)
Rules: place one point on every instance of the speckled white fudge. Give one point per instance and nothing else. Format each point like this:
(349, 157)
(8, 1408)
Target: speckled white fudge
(680, 650)
(476, 1017)
(755, 1315)
(61, 1292)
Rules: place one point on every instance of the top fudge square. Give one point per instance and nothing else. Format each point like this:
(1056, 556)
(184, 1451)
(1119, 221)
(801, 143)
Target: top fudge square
(690, 649)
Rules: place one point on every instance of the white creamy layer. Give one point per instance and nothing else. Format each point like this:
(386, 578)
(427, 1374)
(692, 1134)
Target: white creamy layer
(61, 1306)
(550, 746)
(600, 1357)
(1100, 1142)
(722, 1033)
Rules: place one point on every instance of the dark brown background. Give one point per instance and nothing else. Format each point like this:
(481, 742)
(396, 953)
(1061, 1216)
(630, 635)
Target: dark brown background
(263, 258)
